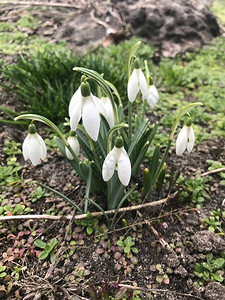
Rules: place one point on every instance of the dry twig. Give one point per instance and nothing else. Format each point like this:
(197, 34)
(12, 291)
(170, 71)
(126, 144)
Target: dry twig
(94, 214)
(213, 171)
(158, 290)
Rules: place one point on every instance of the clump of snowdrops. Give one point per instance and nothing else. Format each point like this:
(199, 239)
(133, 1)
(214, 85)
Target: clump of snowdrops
(113, 143)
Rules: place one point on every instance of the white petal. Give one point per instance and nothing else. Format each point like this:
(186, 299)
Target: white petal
(43, 148)
(34, 149)
(109, 111)
(99, 105)
(191, 139)
(91, 119)
(75, 114)
(181, 143)
(142, 83)
(25, 148)
(108, 167)
(72, 140)
(132, 87)
(151, 100)
(76, 97)
(124, 167)
(152, 96)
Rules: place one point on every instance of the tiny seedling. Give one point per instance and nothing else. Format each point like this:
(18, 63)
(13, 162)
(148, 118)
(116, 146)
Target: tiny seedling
(196, 188)
(89, 222)
(217, 165)
(48, 248)
(2, 271)
(211, 270)
(127, 246)
(214, 221)
(12, 148)
(38, 194)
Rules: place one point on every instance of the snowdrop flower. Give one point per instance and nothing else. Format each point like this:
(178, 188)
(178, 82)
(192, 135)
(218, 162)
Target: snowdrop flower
(185, 139)
(137, 81)
(152, 96)
(117, 159)
(34, 147)
(84, 104)
(74, 144)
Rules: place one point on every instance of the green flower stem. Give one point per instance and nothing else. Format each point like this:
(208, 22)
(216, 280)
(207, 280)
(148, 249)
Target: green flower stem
(147, 73)
(49, 123)
(104, 86)
(88, 187)
(132, 53)
(143, 110)
(110, 133)
(81, 128)
(115, 91)
(129, 122)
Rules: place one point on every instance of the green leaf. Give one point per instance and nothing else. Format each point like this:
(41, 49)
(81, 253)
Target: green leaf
(126, 249)
(120, 243)
(207, 266)
(43, 255)
(135, 250)
(40, 244)
(53, 243)
(154, 163)
(218, 277)
(3, 274)
(89, 230)
(218, 263)
(2, 268)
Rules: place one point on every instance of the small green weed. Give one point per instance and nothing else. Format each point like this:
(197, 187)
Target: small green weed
(16, 272)
(12, 148)
(90, 223)
(9, 176)
(217, 165)
(38, 194)
(211, 270)
(18, 209)
(48, 248)
(174, 76)
(214, 222)
(127, 246)
(2, 271)
(196, 188)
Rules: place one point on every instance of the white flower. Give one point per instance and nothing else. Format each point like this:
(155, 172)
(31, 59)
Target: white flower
(117, 159)
(185, 140)
(152, 96)
(136, 82)
(34, 148)
(88, 107)
(74, 144)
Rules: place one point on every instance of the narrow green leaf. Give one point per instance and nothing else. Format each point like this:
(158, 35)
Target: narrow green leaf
(154, 163)
(124, 199)
(59, 194)
(88, 187)
(146, 181)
